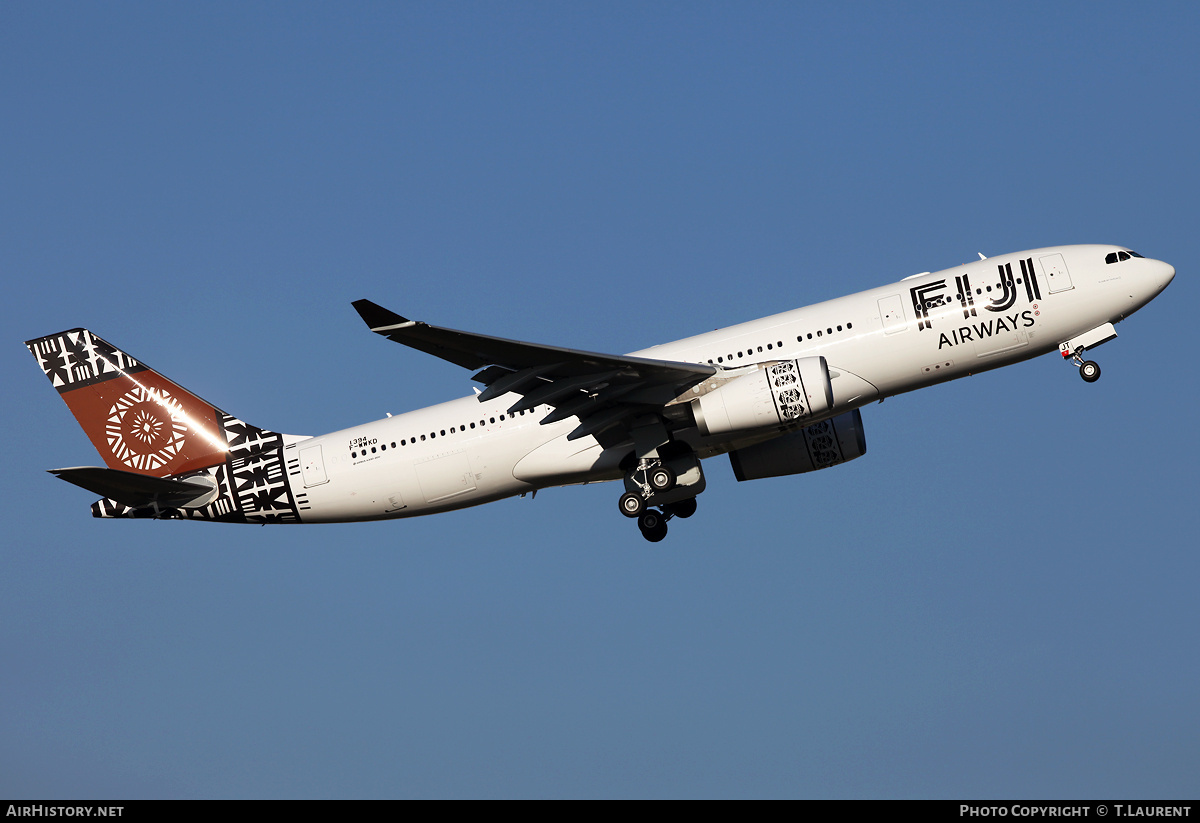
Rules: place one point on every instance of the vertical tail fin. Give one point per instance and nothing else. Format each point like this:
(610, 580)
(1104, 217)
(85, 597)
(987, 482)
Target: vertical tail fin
(144, 424)
(137, 419)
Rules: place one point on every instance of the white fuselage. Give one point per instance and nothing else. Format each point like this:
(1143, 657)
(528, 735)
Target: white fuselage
(920, 331)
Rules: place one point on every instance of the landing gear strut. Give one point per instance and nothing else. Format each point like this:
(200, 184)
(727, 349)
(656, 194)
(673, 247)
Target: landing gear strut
(657, 492)
(662, 478)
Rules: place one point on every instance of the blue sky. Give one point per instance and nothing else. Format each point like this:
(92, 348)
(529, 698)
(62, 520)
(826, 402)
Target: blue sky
(998, 600)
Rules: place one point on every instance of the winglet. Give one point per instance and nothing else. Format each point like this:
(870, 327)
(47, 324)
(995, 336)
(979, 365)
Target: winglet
(377, 317)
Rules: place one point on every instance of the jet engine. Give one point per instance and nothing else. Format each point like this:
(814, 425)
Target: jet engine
(819, 446)
(781, 393)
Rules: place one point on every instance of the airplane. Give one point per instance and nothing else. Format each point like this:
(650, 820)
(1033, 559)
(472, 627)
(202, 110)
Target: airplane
(780, 395)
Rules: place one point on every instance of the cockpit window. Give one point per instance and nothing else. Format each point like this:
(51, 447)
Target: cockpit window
(1111, 257)
(1119, 256)
(1135, 254)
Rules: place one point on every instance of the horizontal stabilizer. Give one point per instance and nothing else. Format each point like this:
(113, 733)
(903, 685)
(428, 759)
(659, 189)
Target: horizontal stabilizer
(140, 490)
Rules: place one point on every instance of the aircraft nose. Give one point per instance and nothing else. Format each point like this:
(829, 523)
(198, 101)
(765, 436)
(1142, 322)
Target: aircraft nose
(1164, 273)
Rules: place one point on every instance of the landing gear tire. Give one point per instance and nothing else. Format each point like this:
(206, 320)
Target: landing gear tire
(632, 505)
(683, 508)
(662, 479)
(1089, 370)
(653, 525)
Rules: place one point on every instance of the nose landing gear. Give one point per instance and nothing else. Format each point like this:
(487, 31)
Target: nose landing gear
(1089, 370)
(1074, 348)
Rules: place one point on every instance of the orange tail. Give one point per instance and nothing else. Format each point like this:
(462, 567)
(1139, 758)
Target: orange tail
(137, 419)
(145, 425)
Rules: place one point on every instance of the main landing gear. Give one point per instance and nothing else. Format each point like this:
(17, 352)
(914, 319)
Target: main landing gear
(1089, 370)
(653, 522)
(662, 478)
(659, 489)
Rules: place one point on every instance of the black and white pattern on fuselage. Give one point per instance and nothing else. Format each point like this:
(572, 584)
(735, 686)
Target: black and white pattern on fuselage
(930, 301)
(259, 478)
(258, 492)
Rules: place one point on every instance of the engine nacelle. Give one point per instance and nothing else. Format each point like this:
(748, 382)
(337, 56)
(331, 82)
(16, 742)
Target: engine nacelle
(785, 392)
(819, 446)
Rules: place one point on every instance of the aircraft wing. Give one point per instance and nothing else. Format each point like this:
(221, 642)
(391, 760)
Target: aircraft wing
(601, 389)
